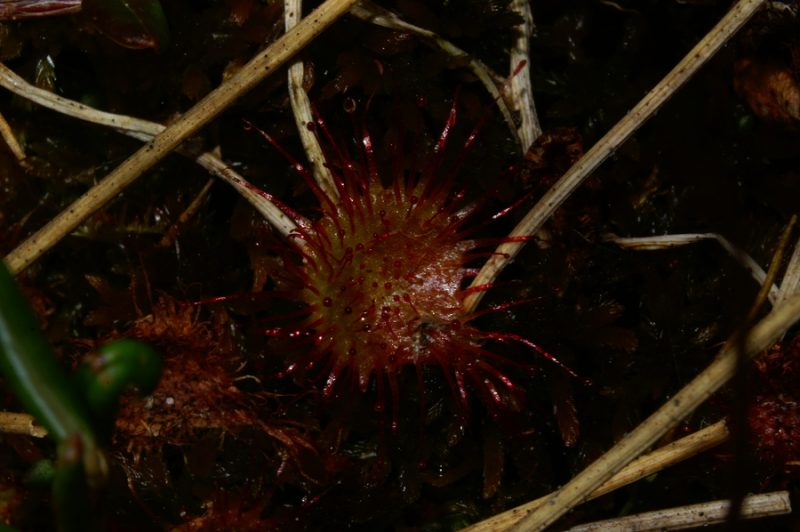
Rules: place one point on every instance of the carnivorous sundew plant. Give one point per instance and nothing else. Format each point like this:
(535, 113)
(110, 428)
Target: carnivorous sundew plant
(382, 272)
(334, 351)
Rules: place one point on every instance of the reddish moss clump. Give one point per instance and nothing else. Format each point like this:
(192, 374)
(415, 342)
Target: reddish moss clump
(197, 391)
(774, 415)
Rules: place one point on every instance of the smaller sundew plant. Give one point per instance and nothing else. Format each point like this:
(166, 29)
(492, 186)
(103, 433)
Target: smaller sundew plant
(382, 274)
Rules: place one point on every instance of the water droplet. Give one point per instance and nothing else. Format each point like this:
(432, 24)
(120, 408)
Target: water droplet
(366, 327)
(348, 310)
(359, 246)
(327, 302)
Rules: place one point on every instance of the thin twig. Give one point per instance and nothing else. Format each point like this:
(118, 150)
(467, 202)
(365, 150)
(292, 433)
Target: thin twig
(642, 467)
(791, 278)
(380, 16)
(650, 243)
(187, 214)
(521, 90)
(664, 457)
(19, 423)
(695, 515)
(301, 108)
(204, 111)
(563, 188)
(123, 123)
(763, 334)
(145, 130)
(11, 140)
(772, 272)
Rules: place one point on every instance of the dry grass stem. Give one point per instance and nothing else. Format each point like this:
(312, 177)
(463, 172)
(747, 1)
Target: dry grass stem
(145, 130)
(695, 515)
(762, 335)
(18, 423)
(259, 199)
(646, 108)
(14, 83)
(11, 140)
(772, 272)
(642, 467)
(520, 87)
(187, 214)
(380, 16)
(301, 108)
(650, 243)
(791, 278)
(664, 457)
(263, 64)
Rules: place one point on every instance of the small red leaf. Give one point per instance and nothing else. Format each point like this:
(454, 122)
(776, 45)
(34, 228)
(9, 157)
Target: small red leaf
(19, 9)
(136, 24)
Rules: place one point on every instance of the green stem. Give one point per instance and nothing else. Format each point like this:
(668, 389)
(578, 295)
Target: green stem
(32, 371)
(35, 377)
(71, 502)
